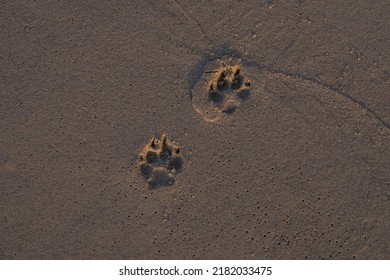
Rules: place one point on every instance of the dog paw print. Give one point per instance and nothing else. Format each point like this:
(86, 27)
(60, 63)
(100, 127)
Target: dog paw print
(160, 162)
(228, 88)
(221, 90)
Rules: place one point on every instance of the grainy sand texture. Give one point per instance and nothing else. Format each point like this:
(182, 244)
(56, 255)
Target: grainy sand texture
(195, 129)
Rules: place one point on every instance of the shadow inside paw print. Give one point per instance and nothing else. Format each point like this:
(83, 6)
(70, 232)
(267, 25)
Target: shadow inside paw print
(226, 88)
(160, 162)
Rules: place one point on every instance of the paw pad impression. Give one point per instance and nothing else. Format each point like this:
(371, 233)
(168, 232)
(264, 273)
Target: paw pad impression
(160, 162)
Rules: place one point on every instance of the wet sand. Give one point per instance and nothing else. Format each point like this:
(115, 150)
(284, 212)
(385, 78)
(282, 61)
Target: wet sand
(298, 170)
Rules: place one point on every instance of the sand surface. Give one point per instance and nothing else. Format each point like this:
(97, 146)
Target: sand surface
(299, 170)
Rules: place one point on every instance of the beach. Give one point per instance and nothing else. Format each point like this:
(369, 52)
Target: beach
(286, 158)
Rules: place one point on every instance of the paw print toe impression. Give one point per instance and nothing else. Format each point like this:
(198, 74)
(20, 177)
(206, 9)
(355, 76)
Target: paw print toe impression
(160, 162)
